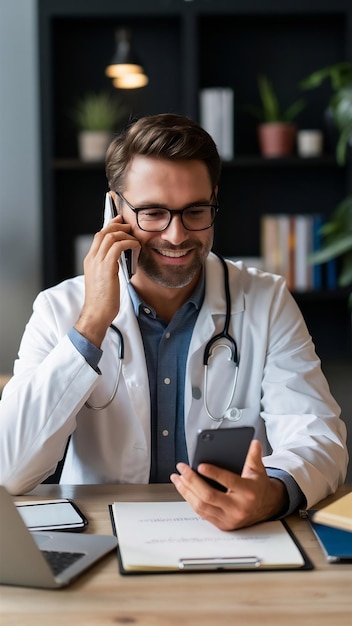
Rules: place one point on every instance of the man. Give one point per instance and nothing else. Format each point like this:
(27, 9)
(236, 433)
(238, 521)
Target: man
(163, 174)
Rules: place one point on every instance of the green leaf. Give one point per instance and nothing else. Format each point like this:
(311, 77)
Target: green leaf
(294, 110)
(99, 111)
(270, 110)
(345, 277)
(337, 242)
(340, 74)
(332, 250)
(269, 100)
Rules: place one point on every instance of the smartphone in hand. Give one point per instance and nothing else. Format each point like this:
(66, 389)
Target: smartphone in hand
(128, 258)
(224, 447)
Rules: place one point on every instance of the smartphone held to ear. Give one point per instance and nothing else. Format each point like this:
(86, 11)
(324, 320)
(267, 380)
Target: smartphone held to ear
(128, 258)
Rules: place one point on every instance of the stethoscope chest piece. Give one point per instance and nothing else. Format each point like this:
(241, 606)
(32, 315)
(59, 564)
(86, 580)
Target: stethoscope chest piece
(233, 414)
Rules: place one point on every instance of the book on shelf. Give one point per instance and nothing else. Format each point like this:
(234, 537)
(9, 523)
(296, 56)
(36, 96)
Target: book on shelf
(287, 241)
(269, 243)
(317, 268)
(303, 246)
(156, 537)
(217, 118)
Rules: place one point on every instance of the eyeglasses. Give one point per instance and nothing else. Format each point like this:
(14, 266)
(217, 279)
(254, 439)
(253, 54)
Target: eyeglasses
(156, 219)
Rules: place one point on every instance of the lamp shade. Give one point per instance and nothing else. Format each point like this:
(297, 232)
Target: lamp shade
(130, 81)
(124, 62)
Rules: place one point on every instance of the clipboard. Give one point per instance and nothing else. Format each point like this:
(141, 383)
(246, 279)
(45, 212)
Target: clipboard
(188, 563)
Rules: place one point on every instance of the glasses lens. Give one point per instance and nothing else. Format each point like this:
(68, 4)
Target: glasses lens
(198, 217)
(153, 219)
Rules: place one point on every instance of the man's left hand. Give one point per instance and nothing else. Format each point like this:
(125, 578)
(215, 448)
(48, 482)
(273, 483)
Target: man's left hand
(250, 498)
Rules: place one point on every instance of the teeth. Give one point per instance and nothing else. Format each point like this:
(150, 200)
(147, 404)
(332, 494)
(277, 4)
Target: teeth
(173, 254)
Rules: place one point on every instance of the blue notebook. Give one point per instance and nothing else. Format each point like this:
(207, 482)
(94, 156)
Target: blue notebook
(335, 543)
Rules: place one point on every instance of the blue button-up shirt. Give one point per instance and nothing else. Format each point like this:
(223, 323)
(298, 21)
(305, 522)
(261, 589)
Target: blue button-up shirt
(166, 348)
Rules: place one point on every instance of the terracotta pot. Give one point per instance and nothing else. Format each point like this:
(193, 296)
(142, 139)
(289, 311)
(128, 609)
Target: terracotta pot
(277, 139)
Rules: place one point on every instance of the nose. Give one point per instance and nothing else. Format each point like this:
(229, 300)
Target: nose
(175, 233)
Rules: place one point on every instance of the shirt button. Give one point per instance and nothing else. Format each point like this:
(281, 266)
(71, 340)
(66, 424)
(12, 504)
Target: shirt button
(167, 381)
(167, 335)
(146, 310)
(165, 433)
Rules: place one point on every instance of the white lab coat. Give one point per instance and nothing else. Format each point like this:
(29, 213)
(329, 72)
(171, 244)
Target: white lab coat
(280, 390)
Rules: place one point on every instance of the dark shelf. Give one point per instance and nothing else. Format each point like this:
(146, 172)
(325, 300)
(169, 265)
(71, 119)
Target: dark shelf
(245, 161)
(76, 164)
(327, 295)
(257, 161)
(187, 46)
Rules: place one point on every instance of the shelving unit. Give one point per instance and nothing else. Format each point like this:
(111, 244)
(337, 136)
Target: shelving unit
(186, 46)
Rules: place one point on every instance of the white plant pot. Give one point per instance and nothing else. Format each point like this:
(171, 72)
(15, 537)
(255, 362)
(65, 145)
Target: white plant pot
(92, 144)
(309, 143)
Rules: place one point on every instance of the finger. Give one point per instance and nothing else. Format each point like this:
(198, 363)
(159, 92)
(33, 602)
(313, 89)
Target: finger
(253, 464)
(112, 243)
(189, 483)
(209, 503)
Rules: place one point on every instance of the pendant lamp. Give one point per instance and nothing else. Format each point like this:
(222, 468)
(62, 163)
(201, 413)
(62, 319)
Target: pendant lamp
(125, 68)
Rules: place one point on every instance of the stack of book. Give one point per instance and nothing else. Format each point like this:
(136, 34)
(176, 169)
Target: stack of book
(332, 526)
(286, 243)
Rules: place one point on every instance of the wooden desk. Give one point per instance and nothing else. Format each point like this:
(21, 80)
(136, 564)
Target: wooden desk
(322, 597)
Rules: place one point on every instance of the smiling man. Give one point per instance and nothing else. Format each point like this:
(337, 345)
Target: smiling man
(116, 366)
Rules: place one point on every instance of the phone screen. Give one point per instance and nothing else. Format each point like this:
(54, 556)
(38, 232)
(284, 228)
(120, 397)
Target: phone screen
(52, 515)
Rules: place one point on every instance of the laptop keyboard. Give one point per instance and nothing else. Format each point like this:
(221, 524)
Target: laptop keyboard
(59, 561)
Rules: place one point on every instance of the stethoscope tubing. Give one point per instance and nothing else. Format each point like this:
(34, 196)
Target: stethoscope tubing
(232, 414)
(114, 391)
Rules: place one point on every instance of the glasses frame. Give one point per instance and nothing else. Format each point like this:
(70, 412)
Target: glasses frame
(172, 213)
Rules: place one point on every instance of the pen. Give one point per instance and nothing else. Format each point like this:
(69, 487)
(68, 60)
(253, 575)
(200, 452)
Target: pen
(230, 562)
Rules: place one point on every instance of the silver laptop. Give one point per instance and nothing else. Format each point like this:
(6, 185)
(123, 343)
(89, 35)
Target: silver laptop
(44, 559)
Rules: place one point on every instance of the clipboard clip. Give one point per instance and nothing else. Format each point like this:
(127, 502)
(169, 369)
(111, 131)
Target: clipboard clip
(220, 563)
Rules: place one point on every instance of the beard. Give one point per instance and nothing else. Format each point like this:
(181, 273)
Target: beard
(174, 276)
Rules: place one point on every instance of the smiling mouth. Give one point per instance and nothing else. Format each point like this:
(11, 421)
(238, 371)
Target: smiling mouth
(173, 254)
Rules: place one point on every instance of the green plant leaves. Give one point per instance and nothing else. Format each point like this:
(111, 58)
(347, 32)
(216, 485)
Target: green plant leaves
(341, 107)
(337, 241)
(340, 104)
(99, 111)
(340, 74)
(270, 111)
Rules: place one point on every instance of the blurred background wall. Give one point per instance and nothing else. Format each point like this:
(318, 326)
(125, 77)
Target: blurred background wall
(19, 173)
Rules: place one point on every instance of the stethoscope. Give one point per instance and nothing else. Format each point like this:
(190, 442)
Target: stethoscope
(232, 414)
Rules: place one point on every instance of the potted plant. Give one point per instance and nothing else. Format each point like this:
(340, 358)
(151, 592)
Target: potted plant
(276, 131)
(97, 116)
(337, 232)
(339, 109)
(337, 242)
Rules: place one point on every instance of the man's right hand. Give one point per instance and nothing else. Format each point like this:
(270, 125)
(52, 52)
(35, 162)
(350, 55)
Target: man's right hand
(101, 277)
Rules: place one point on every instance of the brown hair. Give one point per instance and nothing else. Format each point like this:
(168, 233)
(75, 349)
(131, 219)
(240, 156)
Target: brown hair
(167, 136)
